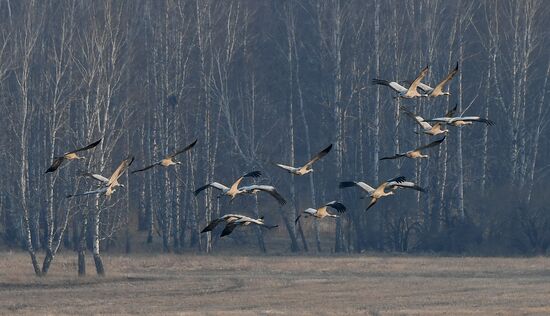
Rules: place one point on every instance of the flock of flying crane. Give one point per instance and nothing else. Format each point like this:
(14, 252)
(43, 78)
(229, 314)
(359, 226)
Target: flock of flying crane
(108, 185)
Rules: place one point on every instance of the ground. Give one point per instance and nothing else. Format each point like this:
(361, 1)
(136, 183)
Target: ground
(303, 285)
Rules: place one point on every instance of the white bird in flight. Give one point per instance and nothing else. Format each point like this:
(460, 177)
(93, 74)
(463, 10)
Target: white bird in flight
(110, 184)
(321, 212)
(378, 193)
(403, 92)
(307, 168)
(71, 155)
(234, 220)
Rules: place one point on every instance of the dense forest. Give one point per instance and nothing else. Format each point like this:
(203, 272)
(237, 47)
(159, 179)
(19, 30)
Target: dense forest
(258, 82)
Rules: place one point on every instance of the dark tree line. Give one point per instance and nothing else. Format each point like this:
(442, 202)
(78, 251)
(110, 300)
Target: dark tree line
(263, 81)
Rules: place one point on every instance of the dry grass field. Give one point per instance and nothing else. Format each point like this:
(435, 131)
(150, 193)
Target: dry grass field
(249, 285)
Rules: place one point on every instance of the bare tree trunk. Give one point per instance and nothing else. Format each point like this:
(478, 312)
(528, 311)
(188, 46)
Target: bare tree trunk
(62, 59)
(290, 55)
(293, 59)
(335, 47)
(27, 39)
(56, 242)
(204, 44)
(82, 246)
(100, 270)
(376, 123)
(308, 144)
(459, 159)
(486, 134)
(543, 121)
(259, 235)
(515, 95)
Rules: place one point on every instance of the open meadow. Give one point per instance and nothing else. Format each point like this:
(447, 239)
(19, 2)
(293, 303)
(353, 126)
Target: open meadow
(234, 284)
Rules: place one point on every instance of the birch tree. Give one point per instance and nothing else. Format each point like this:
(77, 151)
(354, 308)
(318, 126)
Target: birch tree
(26, 39)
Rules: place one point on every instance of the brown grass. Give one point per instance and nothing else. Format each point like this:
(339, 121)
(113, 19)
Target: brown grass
(242, 285)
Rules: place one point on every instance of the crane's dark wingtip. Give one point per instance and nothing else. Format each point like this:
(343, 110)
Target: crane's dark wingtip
(346, 184)
(488, 122)
(338, 206)
(253, 174)
(398, 179)
(191, 145)
(380, 82)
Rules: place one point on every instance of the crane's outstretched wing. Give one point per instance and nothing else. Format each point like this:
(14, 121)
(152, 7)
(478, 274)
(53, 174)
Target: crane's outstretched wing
(146, 168)
(228, 229)
(452, 111)
(474, 119)
(393, 157)
(260, 222)
(90, 146)
(418, 119)
(337, 206)
(394, 85)
(98, 191)
(407, 185)
(269, 226)
(320, 155)
(424, 88)
(252, 174)
(120, 170)
(212, 225)
(432, 144)
(447, 120)
(57, 161)
(177, 152)
(265, 188)
(397, 179)
(229, 218)
(439, 87)
(365, 187)
(96, 176)
(419, 78)
(215, 185)
(287, 168)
